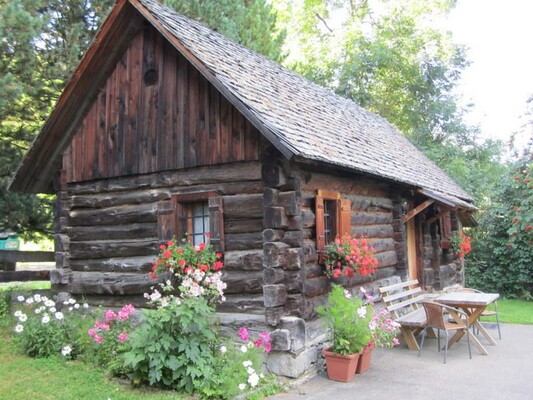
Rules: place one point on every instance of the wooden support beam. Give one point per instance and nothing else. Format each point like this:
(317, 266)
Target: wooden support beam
(418, 209)
(440, 214)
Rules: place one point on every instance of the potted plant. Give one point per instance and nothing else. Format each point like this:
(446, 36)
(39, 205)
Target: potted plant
(384, 332)
(349, 321)
(347, 256)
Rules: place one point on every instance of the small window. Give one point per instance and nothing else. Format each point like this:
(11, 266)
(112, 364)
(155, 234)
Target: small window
(333, 217)
(197, 217)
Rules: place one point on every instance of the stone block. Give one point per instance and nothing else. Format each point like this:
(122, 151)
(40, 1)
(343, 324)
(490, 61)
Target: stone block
(295, 259)
(281, 340)
(289, 364)
(274, 295)
(273, 315)
(298, 330)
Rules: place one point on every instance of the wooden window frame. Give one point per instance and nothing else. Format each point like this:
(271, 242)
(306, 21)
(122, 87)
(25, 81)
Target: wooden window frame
(171, 212)
(343, 217)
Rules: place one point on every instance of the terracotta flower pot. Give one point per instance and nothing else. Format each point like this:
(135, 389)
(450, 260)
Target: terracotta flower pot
(340, 367)
(364, 360)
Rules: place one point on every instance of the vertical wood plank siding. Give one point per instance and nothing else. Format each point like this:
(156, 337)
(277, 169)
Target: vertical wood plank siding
(156, 112)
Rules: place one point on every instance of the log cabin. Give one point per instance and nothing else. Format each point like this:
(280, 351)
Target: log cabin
(169, 128)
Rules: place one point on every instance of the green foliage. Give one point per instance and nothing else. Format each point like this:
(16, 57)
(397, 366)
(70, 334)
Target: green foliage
(502, 249)
(41, 45)
(5, 305)
(386, 56)
(348, 320)
(173, 348)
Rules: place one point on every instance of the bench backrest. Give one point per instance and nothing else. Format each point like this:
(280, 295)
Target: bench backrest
(400, 297)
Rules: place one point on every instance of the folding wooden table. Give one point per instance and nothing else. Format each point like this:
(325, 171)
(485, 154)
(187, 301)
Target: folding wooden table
(473, 305)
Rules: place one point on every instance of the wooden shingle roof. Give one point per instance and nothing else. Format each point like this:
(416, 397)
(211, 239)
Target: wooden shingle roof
(303, 120)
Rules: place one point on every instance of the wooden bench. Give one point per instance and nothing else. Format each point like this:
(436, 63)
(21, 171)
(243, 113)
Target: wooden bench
(402, 301)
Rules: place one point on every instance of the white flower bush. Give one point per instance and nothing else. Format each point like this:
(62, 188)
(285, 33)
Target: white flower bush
(42, 330)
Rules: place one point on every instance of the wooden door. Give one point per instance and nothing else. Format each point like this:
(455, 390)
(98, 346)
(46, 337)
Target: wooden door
(412, 256)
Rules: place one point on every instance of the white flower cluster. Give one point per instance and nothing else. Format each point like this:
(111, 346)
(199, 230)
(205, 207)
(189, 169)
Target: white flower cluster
(157, 298)
(253, 376)
(46, 309)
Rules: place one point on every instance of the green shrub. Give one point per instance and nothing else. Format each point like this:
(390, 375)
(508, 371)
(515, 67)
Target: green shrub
(174, 347)
(5, 306)
(502, 249)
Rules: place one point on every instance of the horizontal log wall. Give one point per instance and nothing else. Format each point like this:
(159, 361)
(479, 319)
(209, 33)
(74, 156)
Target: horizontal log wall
(109, 234)
(156, 112)
(371, 215)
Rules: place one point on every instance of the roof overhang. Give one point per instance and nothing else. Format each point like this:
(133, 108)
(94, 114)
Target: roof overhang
(463, 208)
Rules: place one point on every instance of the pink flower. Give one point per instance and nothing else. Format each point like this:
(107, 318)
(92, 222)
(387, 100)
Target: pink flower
(243, 333)
(110, 316)
(268, 347)
(265, 337)
(98, 338)
(102, 325)
(122, 337)
(92, 332)
(258, 343)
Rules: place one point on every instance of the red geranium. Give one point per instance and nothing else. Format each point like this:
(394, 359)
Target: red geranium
(349, 256)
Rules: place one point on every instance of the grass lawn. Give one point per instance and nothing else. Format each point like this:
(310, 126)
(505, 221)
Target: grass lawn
(23, 286)
(55, 379)
(514, 311)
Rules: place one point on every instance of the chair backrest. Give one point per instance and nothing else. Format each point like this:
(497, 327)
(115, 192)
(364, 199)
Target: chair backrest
(434, 314)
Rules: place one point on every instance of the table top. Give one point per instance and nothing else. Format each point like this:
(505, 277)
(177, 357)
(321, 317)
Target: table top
(457, 299)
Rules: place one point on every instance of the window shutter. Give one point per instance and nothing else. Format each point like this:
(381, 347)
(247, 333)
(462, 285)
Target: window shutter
(166, 220)
(445, 226)
(319, 220)
(344, 217)
(216, 223)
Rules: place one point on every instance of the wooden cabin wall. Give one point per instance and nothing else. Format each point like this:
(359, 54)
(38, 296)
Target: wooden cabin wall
(109, 237)
(156, 112)
(295, 282)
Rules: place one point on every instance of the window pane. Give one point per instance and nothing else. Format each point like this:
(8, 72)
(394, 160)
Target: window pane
(200, 222)
(329, 221)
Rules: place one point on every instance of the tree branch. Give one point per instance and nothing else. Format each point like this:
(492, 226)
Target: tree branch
(324, 22)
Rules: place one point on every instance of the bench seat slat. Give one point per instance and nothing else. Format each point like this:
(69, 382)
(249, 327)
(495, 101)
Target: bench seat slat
(397, 286)
(416, 318)
(404, 303)
(400, 295)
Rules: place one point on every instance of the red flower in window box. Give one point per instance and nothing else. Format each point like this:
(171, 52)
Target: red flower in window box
(461, 244)
(192, 270)
(349, 256)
